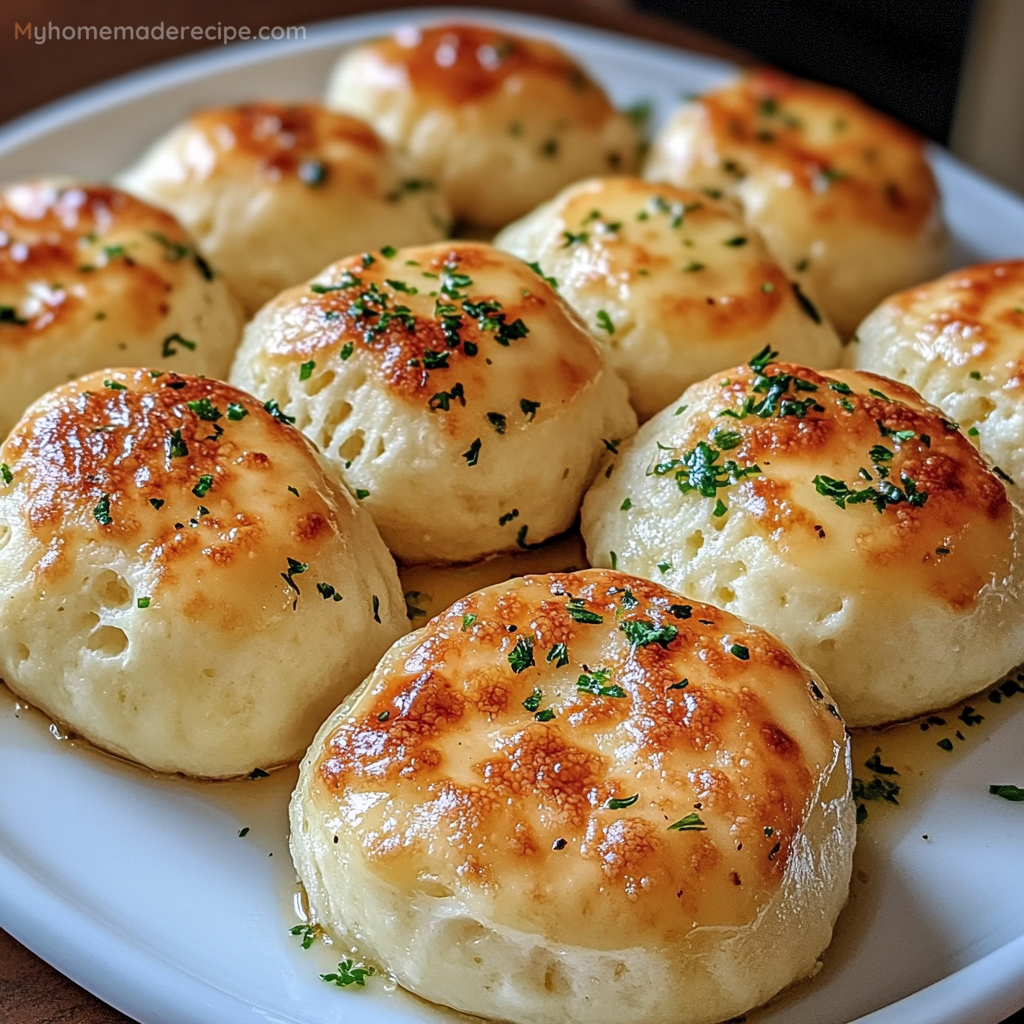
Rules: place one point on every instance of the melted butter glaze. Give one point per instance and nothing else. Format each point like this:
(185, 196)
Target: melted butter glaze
(972, 316)
(450, 780)
(958, 540)
(278, 139)
(846, 161)
(465, 64)
(388, 313)
(68, 251)
(141, 465)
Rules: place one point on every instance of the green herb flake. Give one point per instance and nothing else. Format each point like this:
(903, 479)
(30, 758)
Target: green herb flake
(306, 369)
(327, 592)
(691, 823)
(643, 633)
(545, 716)
(5, 472)
(361, 493)
(178, 449)
(536, 268)
(1008, 792)
(376, 608)
(467, 620)
(202, 488)
(307, 931)
(596, 684)
(472, 455)
(739, 651)
(274, 409)
(626, 505)
(578, 612)
(736, 242)
(143, 602)
(243, 832)
(237, 411)
(529, 408)
(534, 700)
(604, 322)
(520, 658)
(808, 307)
(349, 973)
(173, 340)
(497, 421)
(559, 654)
(692, 267)
(614, 804)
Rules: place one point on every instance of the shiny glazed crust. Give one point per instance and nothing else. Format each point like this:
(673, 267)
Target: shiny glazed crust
(168, 547)
(596, 771)
(452, 389)
(835, 510)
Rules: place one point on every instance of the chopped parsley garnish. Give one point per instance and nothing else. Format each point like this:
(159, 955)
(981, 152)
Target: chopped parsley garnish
(874, 764)
(691, 823)
(886, 493)
(9, 315)
(176, 339)
(876, 789)
(579, 612)
(545, 715)
(306, 369)
(596, 683)
(805, 303)
(5, 472)
(497, 421)
(573, 239)
(204, 409)
(735, 242)
(614, 804)
(604, 322)
(383, 716)
(503, 520)
(1008, 792)
(692, 267)
(840, 388)
(467, 620)
(412, 610)
(533, 701)
(681, 611)
(443, 399)
(376, 608)
(435, 360)
(142, 602)
(643, 633)
(529, 408)
(1005, 477)
(179, 449)
(243, 832)
(307, 931)
(520, 658)
(739, 651)
(521, 537)
(259, 773)
(295, 568)
(626, 505)
(327, 592)
(237, 411)
(767, 287)
(681, 685)
(720, 509)
(157, 503)
(536, 268)
(664, 567)
(275, 410)
(699, 470)
(349, 973)
(362, 492)
(612, 445)
(472, 455)
(114, 385)
(202, 488)
(559, 654)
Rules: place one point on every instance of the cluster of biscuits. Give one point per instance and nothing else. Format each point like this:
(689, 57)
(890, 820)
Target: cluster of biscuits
(263, 369)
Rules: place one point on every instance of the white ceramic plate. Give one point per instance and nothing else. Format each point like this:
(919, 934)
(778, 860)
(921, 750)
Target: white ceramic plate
(140, 888)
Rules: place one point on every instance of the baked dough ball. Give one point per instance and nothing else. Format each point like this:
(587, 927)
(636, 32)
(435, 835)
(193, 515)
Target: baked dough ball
(582, 799)
(841, 513)
(89, 277)
(274, 191)
(959, 341)
(672, 284)
(456, 394)
(181, 580)
(842, 193)
(501, 122)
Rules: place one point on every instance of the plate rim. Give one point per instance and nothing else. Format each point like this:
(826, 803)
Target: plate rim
(85, 948)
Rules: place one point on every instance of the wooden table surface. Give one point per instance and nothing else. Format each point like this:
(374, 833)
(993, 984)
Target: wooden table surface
(32, 992)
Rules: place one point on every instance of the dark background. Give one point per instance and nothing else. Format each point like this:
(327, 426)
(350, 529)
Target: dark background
(904, 56)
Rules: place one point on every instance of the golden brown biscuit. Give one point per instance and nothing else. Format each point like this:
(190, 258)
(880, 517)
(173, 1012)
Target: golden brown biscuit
(168, 549)
(959, 341)
(500, 121)
(582, 798)
(672, 284)
(839, 511)
(92, 277)
(842, 194)
(274, 191)
(457, 395)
